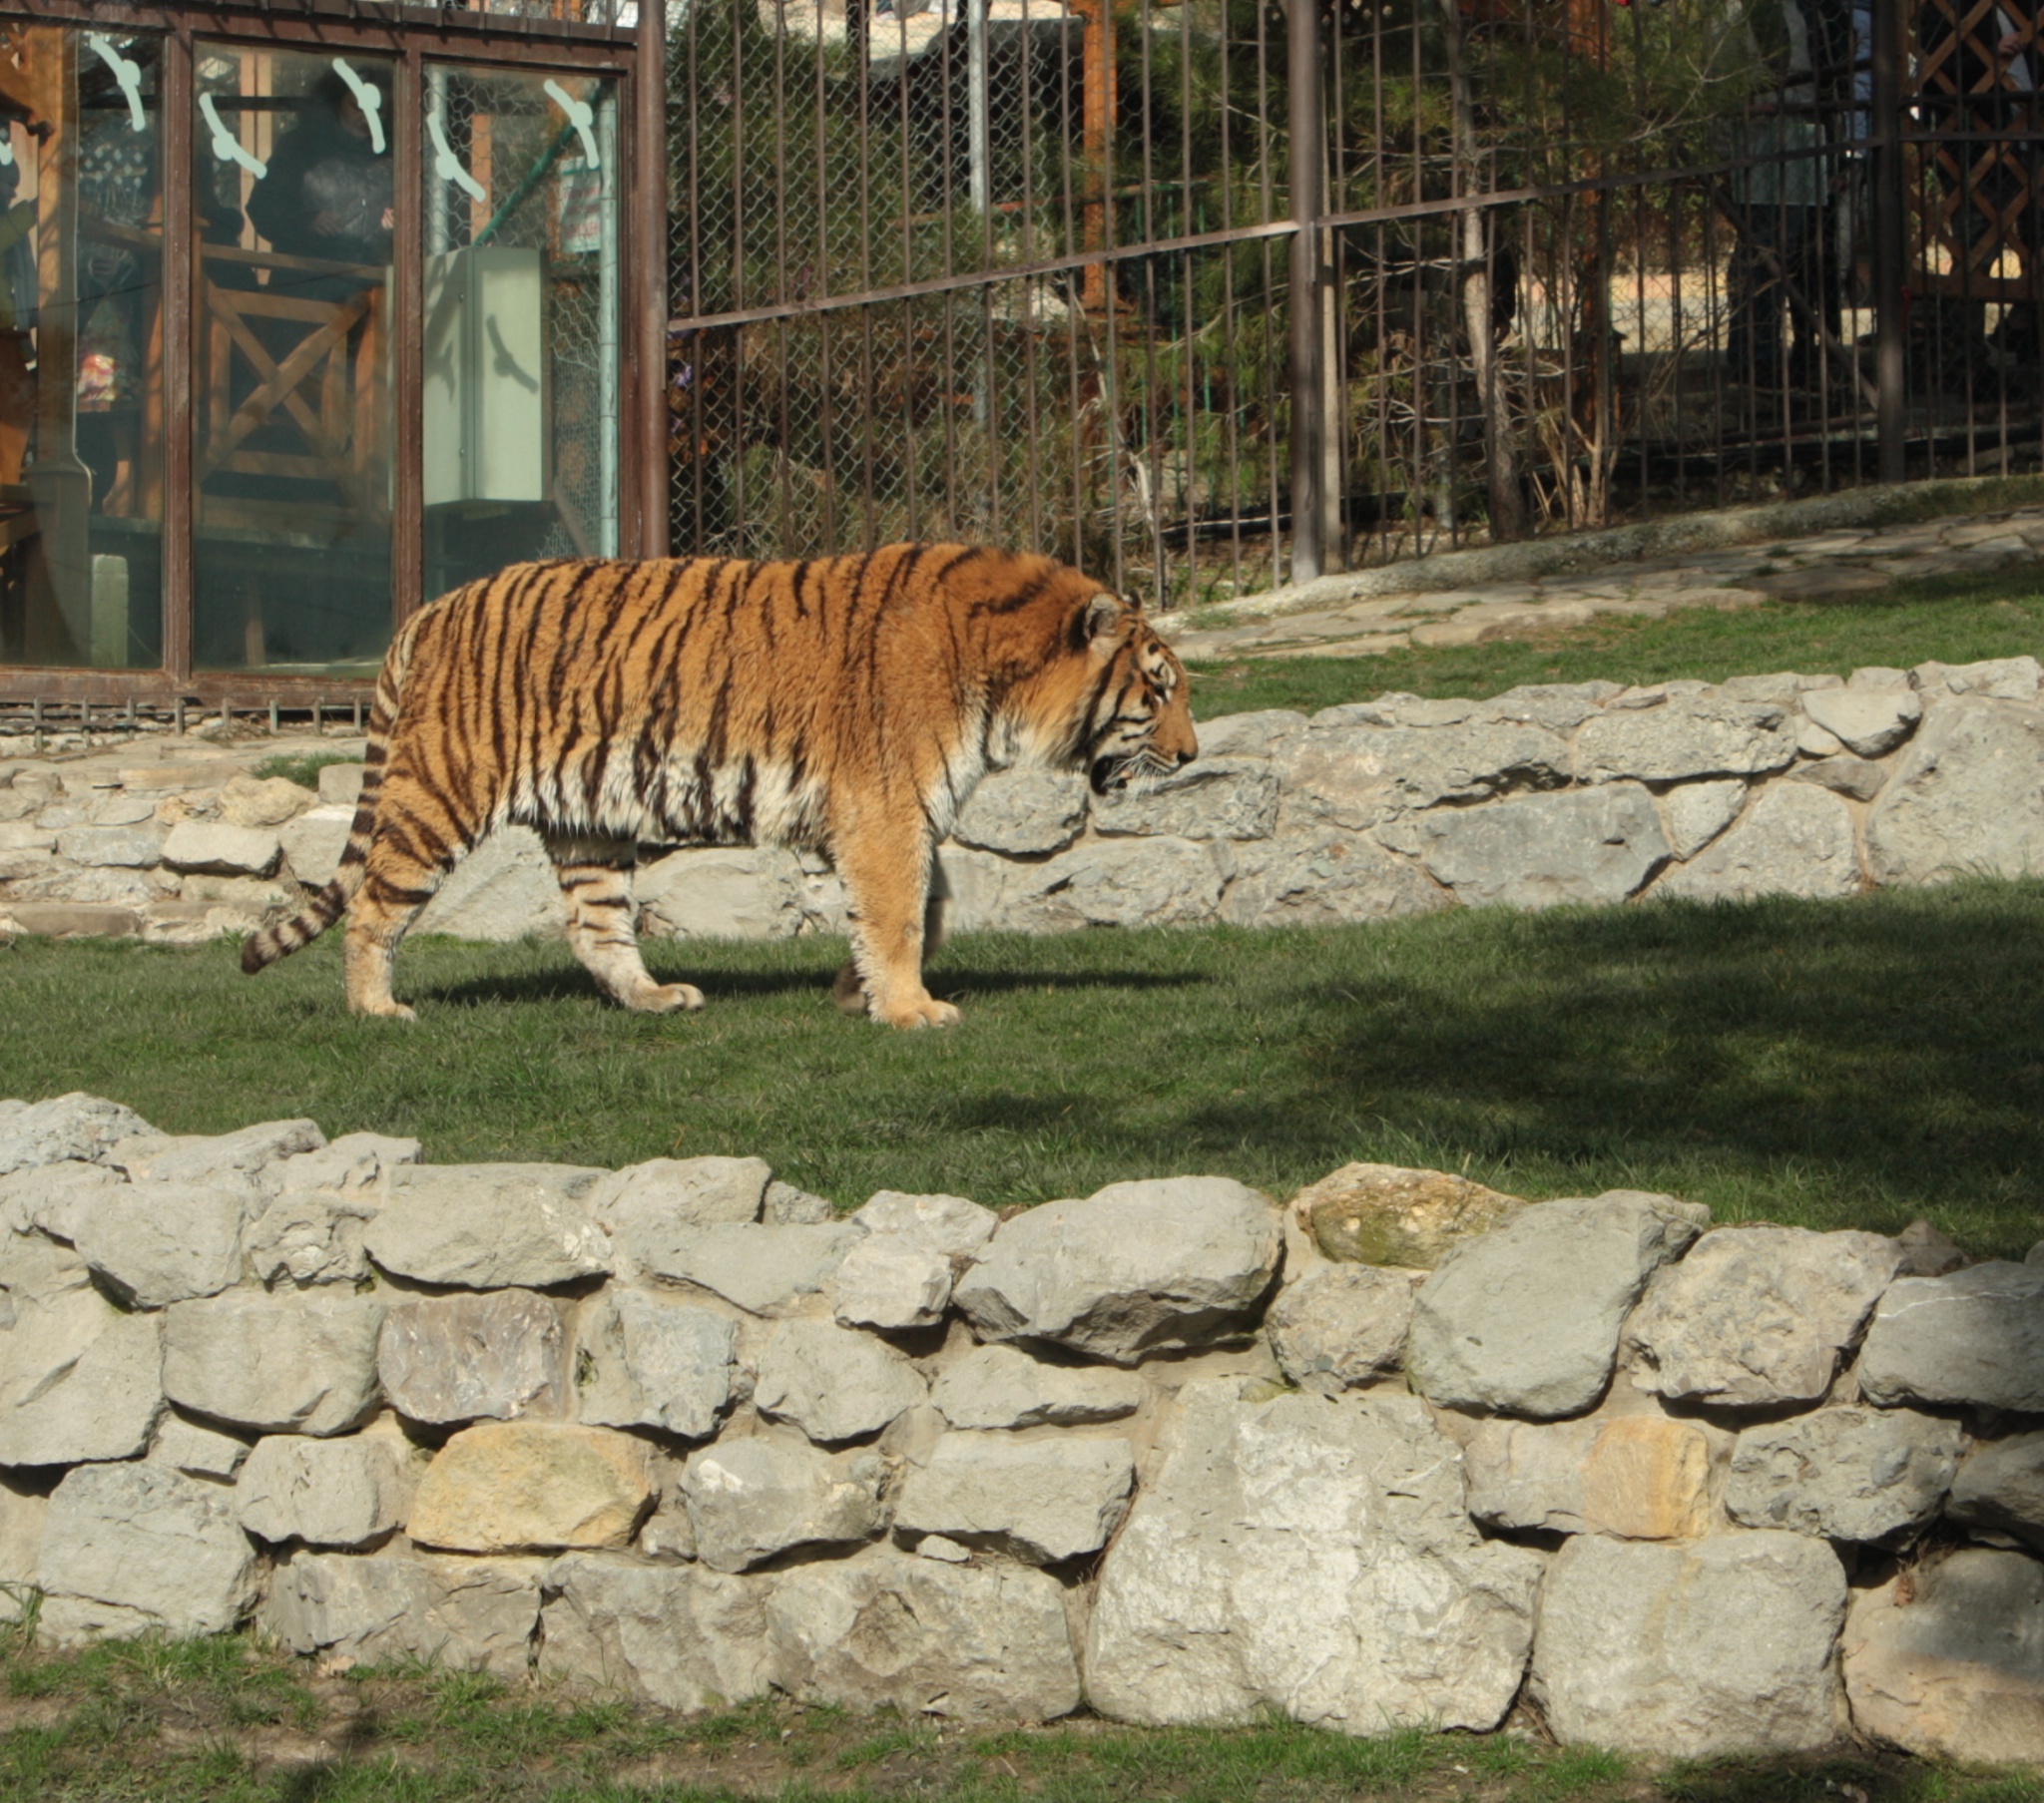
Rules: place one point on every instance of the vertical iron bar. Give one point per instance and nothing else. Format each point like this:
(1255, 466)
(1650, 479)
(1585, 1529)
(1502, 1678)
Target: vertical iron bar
(649, 119)
(1307, 125)
(176, 103)
(1889, 416)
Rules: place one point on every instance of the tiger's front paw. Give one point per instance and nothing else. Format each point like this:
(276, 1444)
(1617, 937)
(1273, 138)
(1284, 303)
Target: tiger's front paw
(926, 1011)
(849, 991)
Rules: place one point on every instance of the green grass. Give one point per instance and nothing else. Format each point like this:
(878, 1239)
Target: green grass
(303, 767)
(224, 1721)
(1956, 619)
(1837, 1063)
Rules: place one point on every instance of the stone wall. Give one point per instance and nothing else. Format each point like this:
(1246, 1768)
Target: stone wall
(1587, 793)
(1404, 1451)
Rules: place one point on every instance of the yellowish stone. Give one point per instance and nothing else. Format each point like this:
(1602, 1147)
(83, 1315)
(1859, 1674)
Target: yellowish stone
(504, 1486)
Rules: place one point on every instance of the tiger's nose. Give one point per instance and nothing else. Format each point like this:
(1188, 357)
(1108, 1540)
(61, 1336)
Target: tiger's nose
(1184, 758)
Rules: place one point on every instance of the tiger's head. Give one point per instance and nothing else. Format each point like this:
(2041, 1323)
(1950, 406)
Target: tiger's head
(1138, 722)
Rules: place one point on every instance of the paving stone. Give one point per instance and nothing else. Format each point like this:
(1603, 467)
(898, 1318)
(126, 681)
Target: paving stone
(509, 1486)
(675, 1636)
(489, 1226)
(1851, 1474)
(288, 1363)
(458, 1614)
(1639, 1477)
(450, 1360)
(348, 1492)
(1023, 812)
(1974, 1338)
(1134, 1269)
(752, 1499)
(1041, 1501)
(833, 1383)
(1395, 1216)
(1795, 839)
(1721, 1646)
(2000, 1487)
(1007, 1387)
(1342, 1326)
(644, 1362)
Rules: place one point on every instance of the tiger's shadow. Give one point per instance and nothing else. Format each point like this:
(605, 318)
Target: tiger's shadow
(571, 983)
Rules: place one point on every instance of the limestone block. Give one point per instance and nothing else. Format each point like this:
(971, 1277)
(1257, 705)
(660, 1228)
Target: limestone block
(1759, 1315)
(764, 1271)
(646, 1209)
(1795, 839)
(450, 1360)
(214, 848)
(1321, 876)
(1311, 1556)
(1927, 1252)
(1721, 1646)
(198, 1451)
(1852, 1474)
(751, 1498)
(314, 842)
(133, 1545)
(891, 1281)
(78, 1381)
(2000, 1487)
(666, 1534)
(1210, 799)
(76, 1126)
(1389, 1215)
(1641, 1477)
(285, 1364)
(124, 847)
(1006, 1387)
(459, 1615)
(1949, 1662)
(675, 1636)
(340, 784)
(1537, 851)
(1342, 1325)
(504, 1486)
(1525, 1319)
(22, 1514)
(833, 1383)
(262, 801)
(489, 1226)
(1686, 737)
(350, 1492)
(783, 1206)
(42, 1204)
(505, 889)
(1974, 1338)
(923, 1637)
(730, 892)
(19, 835)
(1023, 812)
(113, 809)
(1963, 798)
(949, 1224)
(1697, 812)
(1870, 721)
(310, 1237)
(249, 1155)
(644, 1362)
(1134, 1269)
(1353, 777)
(1996, 678)
(152, 1245)
(1260, 734)
(1118, 883)
(1854, 777)
(1037, 1500)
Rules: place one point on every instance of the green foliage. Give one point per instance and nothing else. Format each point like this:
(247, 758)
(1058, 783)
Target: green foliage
(303, 767)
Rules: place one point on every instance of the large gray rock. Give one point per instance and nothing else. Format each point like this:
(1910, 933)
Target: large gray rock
(1261, 734)
(1342, 1325)
(724, 892)
(784, 1205)
(1641, 1477)
(44, 1202)
(351, 1491)
(949, 1224)
(152, 1245)
(489, 1226)
(833, 1383)
(1535, 851)
(1006, 1387)
(198, 1451)
(1525, 1319)
(641, 1361)
(133, 847)
(252, 1156)
(76, 1126)
(646, 1207)
(1023, 812)
(888, 1630)
(314, 842)
(1759, 1315)
(1795, 839)
(1311, 1556)
(503, 890)
(2000, 1487)
(1212, 798)
(1354, 775)
(1870, 721)
(1952, 1665)
(675, 1636)
(1998, 679)
(751, 1498)
(1037, 1500)
(1853, 1474)
(1965, 796)
(1118, 883)
(310, 1237)
(1134, 1269)
(285, 1364)
(1687, 736)
(1698, 812)
(449, 1360)
(211, 847)
(766, 1270)
(353, 1165)
(79, 1381)
(1974, 1338)
(460, 1614)
(890, 1281)
(1325, 876)
(132, 1546)
(22, 1514)
(1723, 1646)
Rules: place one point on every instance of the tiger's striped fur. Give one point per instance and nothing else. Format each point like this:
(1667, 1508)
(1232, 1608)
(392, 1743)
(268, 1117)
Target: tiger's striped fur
(845, 705)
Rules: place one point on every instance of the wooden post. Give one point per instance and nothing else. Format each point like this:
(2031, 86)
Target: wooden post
(1097, 120)
(1309, 342)
(648, 301)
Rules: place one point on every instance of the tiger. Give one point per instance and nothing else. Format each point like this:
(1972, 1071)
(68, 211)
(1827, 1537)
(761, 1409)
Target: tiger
(846, 705)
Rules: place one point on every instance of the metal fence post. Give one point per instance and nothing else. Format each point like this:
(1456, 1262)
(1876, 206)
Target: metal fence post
(1890, 420)
(1307, 129)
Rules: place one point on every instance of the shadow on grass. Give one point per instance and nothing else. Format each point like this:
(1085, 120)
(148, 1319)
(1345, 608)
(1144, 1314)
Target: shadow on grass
(719, 980)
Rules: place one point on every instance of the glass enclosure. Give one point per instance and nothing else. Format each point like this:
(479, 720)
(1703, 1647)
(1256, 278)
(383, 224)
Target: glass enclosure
(82, 355)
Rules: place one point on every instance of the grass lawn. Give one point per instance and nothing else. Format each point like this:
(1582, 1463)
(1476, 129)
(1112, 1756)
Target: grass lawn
(223, 1722)
(1955, 619)
(1837, 1063)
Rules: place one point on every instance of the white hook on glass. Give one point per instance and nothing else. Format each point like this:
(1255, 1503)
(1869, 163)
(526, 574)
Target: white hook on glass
(128, 74)
(225, 146)
(447, 166)
(581, 115)
(368, 98)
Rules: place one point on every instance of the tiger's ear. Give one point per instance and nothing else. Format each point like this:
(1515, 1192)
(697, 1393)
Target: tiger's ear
(1102, 615)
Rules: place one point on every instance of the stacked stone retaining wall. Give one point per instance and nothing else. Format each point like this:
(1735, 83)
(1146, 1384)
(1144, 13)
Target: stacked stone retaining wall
(1583, 792)
(1403, 1452)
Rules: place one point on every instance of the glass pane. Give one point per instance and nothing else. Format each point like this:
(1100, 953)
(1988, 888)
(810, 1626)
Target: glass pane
(520, 410)
(81, 355)
(293, 193)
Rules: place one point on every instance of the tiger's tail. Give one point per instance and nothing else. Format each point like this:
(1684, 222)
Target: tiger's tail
(264, 949)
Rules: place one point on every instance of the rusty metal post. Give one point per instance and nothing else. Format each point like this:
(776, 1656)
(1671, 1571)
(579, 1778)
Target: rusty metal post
(649, 304)
(1889, 247)
(1308, 131)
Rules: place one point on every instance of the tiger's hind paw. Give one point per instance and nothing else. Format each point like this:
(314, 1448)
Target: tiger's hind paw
(927, 1012)
(670, 998)
(849, 991)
